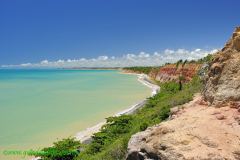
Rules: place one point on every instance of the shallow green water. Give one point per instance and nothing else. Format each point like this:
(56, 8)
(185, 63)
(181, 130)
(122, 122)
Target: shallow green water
(39, 106)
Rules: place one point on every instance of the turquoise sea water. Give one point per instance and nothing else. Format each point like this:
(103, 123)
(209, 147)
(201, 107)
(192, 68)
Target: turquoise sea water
(39, 106)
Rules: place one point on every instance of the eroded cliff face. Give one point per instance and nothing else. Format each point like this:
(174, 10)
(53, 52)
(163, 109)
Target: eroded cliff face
(171, 72)
(197, 130)
(223, 79)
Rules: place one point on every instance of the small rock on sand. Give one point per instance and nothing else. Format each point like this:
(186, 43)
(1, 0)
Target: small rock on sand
(220, 117)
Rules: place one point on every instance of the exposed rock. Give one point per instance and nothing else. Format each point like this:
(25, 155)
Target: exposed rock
(194, 135)
(220, 117)
(223, 79)
(174, 110)
(237, 154)
(235, 105)
(216, 112)
(198, 132)
(171, 72)
(202, 102)
(237, 118)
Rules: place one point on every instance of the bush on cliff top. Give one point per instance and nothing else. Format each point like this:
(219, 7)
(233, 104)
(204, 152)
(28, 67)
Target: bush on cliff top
(66, 149)
(111, 142)
(145, 70)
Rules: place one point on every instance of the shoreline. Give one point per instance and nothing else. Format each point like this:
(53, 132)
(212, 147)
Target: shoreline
(85, 135)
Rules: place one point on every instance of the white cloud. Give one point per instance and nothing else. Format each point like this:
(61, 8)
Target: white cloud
(104, 58)
(143, 55)
(82, 59)
(140, 59)
(26, 64)
(130, 56)
(60, 61)
(44, 62)
(213, 51)
(197, 50)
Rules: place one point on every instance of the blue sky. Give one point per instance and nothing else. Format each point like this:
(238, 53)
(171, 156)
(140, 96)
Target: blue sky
(36, 30)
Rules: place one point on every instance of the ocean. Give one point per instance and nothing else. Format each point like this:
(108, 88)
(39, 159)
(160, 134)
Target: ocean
(40, 106)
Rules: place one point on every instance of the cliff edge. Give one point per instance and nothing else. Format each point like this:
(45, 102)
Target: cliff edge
(223, 79)
(207, 128)
(195, 132)
(171, 72)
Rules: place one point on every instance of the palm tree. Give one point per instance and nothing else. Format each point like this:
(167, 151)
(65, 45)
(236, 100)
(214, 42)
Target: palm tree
(178, 62)
(184, 63)
(181, 78)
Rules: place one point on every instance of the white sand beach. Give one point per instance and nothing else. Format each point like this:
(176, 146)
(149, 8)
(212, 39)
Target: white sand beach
(86, 134)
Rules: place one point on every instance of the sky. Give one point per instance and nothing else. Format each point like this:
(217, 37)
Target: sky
(112, 32)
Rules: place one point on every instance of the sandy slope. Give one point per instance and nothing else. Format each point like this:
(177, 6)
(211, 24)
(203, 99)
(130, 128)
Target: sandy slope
(195, 131)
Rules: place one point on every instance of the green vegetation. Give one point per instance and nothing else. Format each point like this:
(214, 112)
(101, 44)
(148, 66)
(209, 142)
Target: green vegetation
(179, 62)
(66, 149)
(145, 70)
(111, 142)
(186, 61)
(206, 59)
(180, 81)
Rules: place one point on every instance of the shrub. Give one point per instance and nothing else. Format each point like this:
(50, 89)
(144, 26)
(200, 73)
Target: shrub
(165, 110)
(111, 142)
(145, 70)
(144, 126)
(114, 127)
(66, 149)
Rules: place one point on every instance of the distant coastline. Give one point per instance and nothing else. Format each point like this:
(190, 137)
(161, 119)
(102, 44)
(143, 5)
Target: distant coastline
(85, 135)
(92, 68)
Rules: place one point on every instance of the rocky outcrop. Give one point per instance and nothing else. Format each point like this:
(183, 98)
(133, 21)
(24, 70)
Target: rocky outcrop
(196, 132)
(171, 72)
(223, 79)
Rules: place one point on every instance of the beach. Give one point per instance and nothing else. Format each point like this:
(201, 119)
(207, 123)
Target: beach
(58, 93)
(85, 135)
